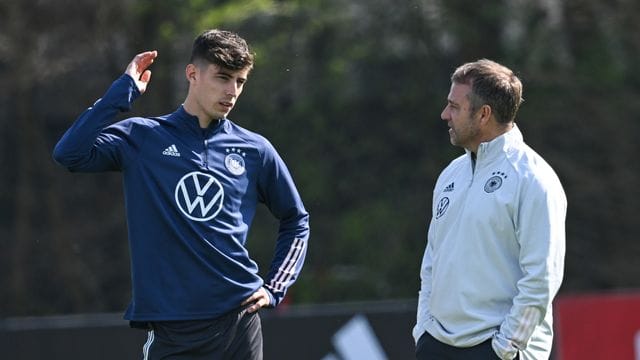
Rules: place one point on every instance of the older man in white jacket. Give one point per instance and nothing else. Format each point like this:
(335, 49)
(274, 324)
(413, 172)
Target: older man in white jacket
(495, 254)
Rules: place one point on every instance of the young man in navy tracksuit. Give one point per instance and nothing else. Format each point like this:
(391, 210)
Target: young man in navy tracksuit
(192, 181)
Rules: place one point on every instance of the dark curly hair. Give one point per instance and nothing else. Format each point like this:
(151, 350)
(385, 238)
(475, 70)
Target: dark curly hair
(223, 48)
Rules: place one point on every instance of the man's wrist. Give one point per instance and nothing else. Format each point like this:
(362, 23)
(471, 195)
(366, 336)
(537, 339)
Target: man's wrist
(122, 93)
(272, 298)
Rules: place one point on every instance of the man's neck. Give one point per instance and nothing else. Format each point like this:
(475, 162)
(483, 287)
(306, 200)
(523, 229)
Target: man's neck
(204, 123)
(203, 120)
(499, 130)
(491, 134)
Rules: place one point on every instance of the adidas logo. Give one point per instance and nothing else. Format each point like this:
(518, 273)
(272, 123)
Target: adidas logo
(171, 151)
(449, 188)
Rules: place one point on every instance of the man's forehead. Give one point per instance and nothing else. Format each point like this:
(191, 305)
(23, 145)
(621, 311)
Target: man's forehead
(458, 92)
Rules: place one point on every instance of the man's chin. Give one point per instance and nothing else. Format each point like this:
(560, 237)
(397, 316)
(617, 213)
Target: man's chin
(219, 115)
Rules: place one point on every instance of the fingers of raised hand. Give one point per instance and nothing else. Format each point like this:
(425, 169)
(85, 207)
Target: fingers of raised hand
(140, 63)
(146, 76)
(145, 59)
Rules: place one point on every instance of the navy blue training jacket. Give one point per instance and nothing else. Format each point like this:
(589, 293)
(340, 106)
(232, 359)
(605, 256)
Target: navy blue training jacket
(190, 197)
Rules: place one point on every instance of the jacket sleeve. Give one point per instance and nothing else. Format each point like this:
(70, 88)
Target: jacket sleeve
(88, 145)
(278, 191)
(424, 295)
(540, 229)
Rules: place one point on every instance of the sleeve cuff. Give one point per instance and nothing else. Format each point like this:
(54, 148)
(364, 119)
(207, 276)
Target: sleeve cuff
(121, 94)
(503, 347)
(272, 299)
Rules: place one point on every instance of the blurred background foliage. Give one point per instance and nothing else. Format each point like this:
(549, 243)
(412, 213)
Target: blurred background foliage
(349, 92)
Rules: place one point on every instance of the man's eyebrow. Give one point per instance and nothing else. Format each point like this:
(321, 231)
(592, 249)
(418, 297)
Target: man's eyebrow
(230, 73)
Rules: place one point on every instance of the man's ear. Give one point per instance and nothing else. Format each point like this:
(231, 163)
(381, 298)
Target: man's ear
(485, 113)
(191, 73)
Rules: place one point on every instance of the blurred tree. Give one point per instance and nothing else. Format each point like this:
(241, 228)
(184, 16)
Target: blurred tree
(45, 265)
(350, 93)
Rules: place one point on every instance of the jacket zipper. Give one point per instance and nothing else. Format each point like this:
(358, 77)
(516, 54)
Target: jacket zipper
(205, 133)
(205, 160)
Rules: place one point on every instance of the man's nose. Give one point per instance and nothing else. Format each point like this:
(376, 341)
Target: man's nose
(232, 89)
(444, 115)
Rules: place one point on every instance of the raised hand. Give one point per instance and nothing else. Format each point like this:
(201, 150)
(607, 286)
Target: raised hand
(137, 69)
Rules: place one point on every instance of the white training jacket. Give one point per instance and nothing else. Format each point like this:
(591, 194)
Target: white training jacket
(495, 254)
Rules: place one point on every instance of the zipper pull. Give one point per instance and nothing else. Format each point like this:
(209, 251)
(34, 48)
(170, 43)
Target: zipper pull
(204, 157)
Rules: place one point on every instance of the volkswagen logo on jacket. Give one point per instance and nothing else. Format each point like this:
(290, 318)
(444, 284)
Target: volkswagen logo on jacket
(199, 196)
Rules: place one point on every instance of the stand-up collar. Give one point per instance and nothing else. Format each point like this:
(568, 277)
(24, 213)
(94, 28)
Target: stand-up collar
(499, 145)
(191, 122)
